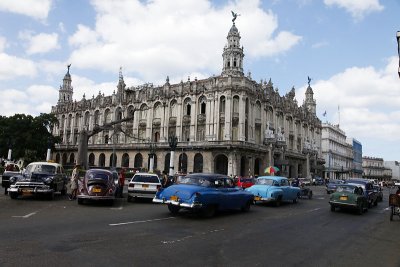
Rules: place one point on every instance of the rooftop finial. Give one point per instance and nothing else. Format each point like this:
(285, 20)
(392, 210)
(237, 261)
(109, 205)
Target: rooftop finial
(68, 66)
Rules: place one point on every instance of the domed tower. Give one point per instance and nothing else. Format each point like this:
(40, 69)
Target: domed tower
(233, 54)
(310, 101)
(66, 91)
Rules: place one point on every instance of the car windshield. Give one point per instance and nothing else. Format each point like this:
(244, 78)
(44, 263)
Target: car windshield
(145, 178)
(42, 168)
(345, 189)
(265, 181)
(201, 181)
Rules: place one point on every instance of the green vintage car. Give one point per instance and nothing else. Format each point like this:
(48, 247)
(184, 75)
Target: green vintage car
(349, 196)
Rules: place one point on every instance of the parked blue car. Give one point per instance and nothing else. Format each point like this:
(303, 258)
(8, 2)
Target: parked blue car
(274, 189)
(204, 193)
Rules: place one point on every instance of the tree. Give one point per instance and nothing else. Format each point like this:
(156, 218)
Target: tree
(27, 136)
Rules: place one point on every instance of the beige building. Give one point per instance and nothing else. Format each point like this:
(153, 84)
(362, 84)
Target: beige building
(227, 124)
(374, 168)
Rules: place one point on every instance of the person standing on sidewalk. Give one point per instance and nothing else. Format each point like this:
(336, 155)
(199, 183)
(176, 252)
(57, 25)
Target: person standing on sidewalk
(121, 183)
(74, 182)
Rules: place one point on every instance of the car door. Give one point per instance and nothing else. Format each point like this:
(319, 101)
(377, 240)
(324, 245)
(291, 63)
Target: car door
(284, 185)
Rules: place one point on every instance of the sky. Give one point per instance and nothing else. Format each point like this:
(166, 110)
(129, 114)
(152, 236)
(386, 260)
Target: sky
(347, 47)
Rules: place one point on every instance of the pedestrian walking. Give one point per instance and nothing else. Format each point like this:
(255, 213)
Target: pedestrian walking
(74, 182)
(164, 179)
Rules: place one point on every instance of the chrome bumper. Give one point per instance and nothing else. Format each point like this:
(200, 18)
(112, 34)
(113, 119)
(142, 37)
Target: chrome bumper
(177, 203)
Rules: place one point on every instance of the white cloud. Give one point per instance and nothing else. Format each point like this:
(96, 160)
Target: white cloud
(3, 43)
(357, 8)
(157, 38)
(368, 101)
(40, 43)
(38, 9)
(35, 100)
(12, 67)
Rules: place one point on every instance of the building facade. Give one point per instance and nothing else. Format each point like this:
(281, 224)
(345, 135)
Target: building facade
(373, 168)
(395, 167)
(337, 152)
(227, 124)
(357, 170)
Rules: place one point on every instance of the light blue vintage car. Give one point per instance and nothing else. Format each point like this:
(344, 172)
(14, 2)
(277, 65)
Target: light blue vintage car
(274, 189)
(204, 193)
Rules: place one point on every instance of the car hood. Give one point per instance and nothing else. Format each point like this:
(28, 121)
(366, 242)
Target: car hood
(184, 192)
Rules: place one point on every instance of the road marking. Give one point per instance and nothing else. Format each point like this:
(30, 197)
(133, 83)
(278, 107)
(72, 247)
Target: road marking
(119, 208)
(25, 216)
(319, 198)
(143, 221)
(191, 236)
(314, 210)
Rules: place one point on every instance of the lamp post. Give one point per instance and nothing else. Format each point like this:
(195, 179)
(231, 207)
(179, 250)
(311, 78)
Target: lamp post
(152, 148)
(173, 142)
(398, 48)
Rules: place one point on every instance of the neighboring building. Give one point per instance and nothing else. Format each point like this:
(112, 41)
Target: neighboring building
(357, 170)
(226, 124)
(395, 167)
(338, 154)
(373, 168)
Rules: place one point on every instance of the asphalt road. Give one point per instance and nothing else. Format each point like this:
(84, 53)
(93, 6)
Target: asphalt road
(37, 232)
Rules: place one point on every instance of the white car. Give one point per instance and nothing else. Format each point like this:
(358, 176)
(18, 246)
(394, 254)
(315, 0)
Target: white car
(143, 185)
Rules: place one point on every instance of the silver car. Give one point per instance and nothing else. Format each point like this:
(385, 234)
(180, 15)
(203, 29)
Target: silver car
(143, 185)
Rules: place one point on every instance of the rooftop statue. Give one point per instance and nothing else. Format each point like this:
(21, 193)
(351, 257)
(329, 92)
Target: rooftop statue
(234, 16)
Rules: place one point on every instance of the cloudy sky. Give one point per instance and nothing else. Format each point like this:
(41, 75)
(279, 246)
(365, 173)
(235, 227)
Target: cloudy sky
(347, 47)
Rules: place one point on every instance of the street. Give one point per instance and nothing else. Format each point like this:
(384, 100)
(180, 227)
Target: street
(37, 232)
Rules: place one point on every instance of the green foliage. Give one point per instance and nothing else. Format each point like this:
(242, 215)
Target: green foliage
(27, 136)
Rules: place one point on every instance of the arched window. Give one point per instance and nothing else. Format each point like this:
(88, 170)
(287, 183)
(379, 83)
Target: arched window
(222, 104)
(125, 160)
(198, 163)
(102, 160)
(138, 163)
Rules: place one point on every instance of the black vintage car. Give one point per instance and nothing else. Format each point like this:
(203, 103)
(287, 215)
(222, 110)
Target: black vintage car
(39, 178)
(368, 190)
(11, 170)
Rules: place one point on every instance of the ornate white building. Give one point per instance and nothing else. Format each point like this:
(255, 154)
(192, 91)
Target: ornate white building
(227, 124)
(338, 154)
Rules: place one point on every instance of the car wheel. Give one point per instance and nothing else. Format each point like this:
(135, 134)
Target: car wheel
(13, 195)
(360, 209)
(297, 198)
(369, 204)
(209, 211)
(376, 202)
(80, 201)
(246, 207)
(278, 201)
(173, 209)
(63, 191)
(333, 208)
(50, 196)
(310, 195)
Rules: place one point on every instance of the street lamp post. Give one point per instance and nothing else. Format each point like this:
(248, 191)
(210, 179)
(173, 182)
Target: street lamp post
(49, 143)
(173, 142)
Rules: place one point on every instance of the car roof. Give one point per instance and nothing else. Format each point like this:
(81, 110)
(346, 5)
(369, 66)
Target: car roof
(45, 163)
(146, 173)
(275, 178)
(207, 175)
(99, 170)
(358, 181)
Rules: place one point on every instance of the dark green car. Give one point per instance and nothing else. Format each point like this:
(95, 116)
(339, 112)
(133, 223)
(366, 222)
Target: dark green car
(349, 196)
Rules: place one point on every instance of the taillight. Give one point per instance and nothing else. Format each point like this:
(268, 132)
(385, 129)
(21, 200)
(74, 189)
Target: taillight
(110, 191)
(131, 185)
(159, 187)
